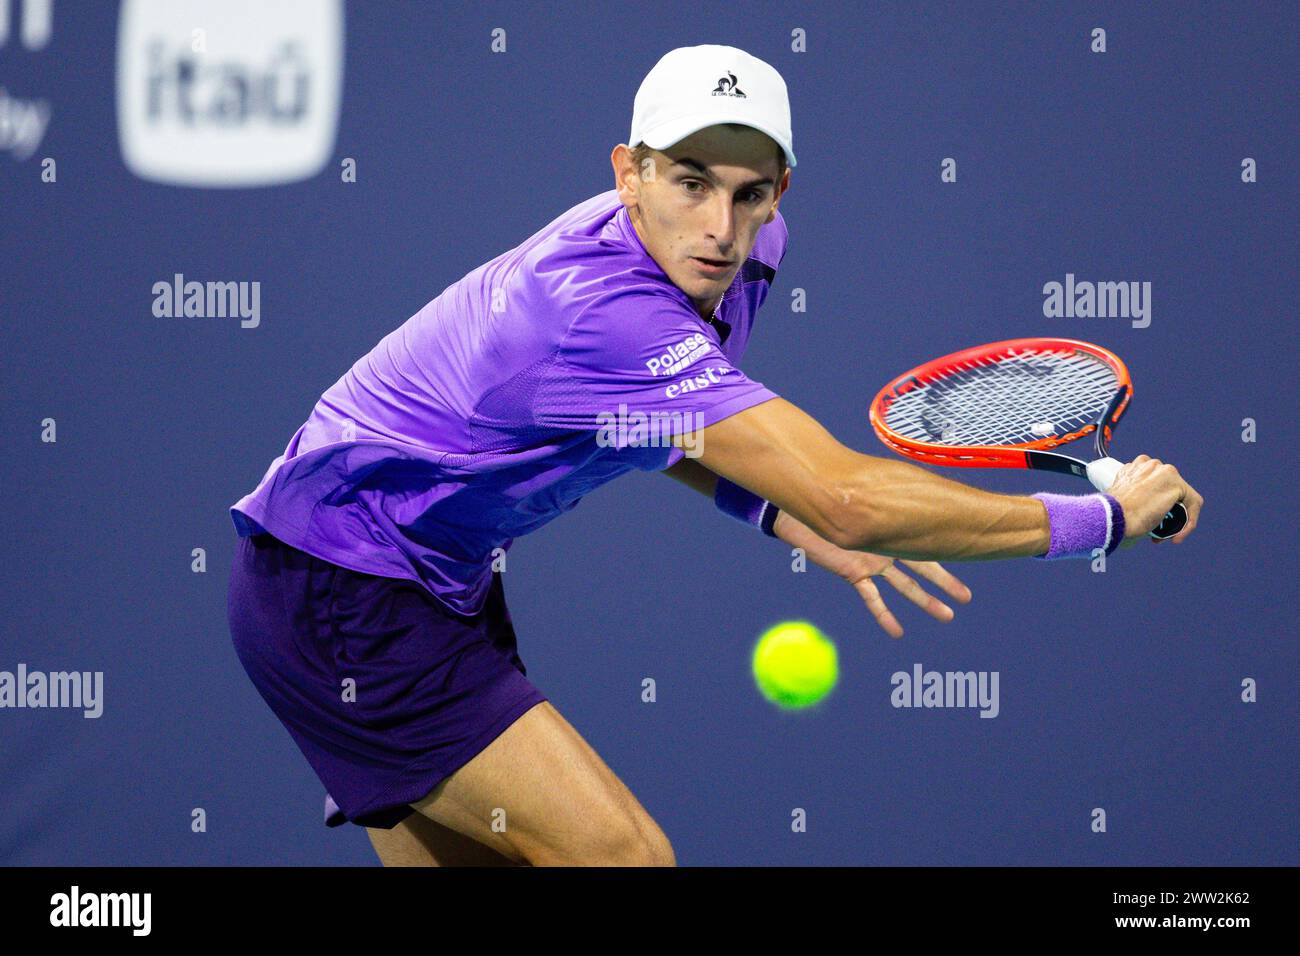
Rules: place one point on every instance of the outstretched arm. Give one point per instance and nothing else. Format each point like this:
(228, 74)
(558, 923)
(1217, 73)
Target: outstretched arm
(860, 502)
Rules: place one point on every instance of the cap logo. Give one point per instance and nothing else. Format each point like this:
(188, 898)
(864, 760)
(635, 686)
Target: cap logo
(727, 86)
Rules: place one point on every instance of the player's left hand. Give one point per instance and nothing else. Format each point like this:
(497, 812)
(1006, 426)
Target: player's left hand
(863, 570)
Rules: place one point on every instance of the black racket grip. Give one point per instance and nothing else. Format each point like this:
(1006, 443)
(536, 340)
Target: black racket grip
(1173, 523)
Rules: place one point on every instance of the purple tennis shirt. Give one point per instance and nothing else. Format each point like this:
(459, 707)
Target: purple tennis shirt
(536, 378)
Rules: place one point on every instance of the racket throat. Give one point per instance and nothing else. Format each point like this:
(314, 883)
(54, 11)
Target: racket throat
(1101, 472)
(1055, 461)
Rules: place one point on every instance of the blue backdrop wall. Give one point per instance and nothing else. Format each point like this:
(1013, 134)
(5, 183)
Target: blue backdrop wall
(1168, 158)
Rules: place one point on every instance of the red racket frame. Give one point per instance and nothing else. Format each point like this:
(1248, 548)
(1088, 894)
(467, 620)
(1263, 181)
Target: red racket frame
(996, 456)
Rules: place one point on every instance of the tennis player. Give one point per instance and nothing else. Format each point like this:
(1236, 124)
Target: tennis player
(365, 603)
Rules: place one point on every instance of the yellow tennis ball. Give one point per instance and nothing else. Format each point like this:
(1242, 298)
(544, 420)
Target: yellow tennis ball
(795, 664)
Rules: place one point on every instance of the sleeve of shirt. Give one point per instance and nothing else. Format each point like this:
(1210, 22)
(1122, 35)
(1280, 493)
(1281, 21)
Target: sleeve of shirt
(638, 366)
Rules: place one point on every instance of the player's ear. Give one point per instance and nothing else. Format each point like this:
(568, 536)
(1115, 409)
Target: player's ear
(621, 160)
(626, 178)
(782, 187)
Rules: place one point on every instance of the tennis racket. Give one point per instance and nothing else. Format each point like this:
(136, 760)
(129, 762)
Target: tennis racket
(1004, 405)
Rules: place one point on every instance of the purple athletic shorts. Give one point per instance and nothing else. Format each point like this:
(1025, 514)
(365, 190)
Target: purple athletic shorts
(432, 687)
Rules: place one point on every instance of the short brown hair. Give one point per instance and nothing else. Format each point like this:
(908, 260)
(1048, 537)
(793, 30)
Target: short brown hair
(640, 152)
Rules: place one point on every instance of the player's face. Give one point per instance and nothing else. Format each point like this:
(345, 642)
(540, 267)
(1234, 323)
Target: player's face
(697, 208)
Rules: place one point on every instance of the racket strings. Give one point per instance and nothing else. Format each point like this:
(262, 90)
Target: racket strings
(1010, 399)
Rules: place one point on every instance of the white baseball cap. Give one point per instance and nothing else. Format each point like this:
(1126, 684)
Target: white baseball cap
(697, 86)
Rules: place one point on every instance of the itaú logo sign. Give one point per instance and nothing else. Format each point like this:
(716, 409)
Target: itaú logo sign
(23, 121)
(228, 92)
(34, 22)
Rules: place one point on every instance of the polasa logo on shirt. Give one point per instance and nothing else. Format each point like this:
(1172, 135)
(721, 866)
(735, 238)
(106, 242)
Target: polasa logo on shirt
(228, 93)
(679, 355)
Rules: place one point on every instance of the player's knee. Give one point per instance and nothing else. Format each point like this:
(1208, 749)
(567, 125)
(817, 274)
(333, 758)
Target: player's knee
(628, 843)
(653, 849)
(637, 848)
(666, 856)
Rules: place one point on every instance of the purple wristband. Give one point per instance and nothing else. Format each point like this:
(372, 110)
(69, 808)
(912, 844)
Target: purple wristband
(1082, 523)
(746, 506)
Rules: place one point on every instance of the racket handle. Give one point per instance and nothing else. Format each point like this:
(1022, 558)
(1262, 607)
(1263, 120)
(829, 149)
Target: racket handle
(1102, 474)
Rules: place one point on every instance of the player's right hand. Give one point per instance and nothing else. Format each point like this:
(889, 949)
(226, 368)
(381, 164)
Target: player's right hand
(1146, 489)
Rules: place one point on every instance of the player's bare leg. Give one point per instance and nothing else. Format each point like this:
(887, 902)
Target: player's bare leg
(419, 841)
(539, 794)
